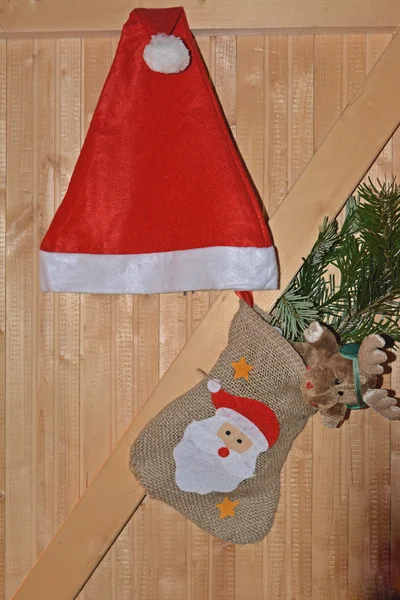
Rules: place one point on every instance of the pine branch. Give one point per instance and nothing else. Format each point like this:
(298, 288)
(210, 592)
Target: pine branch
(366, 253)
(293, 313)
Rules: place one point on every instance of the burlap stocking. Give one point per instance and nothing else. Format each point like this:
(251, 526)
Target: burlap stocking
(215, 453)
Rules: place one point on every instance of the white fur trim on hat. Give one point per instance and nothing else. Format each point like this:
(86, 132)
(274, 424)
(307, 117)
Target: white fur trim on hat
(214, 268)
(244, 425)
(166, 54)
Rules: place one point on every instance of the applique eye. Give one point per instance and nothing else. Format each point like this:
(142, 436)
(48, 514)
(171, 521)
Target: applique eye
(227, 433)
(341, 393)
(239, 441)
(337, 382)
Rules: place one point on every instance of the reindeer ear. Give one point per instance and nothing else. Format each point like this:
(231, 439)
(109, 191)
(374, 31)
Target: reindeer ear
(321, 338)
(370, 356)
(314, 332)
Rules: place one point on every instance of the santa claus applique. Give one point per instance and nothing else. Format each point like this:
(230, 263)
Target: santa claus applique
(217, 454)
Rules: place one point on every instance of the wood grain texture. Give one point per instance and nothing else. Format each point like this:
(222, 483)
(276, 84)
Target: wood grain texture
(21, 435)
(298, 471)
(3, 171)
(276, 186)
(378, 577)
(354, 55)
(145, 378)
(221, 58)
(56, 16)
(90, 363)
(326, 443)
(67, 355)
(250, 138)
(97, 379)
(44, 87)
(395, 439)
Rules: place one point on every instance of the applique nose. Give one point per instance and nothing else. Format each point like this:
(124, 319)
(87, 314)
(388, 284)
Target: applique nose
(309, 385)
(223, 452)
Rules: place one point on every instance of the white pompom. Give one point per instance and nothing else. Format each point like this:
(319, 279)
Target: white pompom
(166, 54)
(214, 386)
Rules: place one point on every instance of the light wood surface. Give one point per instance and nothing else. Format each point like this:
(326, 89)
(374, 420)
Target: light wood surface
(3, 169)
(52, 16)
(112, 351)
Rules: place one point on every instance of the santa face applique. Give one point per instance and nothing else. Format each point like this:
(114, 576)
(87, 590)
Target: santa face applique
(218, 453)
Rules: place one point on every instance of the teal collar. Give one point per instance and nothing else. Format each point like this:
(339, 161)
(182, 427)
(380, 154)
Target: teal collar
(350, 351)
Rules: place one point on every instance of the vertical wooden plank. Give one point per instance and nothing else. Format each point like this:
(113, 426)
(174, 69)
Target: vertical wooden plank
(222, 65)
(97, 379)
(43, 199)
(122, 406)
(171, 543)
(198, 542)
(302, 83)
(277, 122)
(326, 443)
(20, 435)
(67, 306)
(288, 466)
(395, 436)
(375, 45)
(299, 469)
(68, 134)
(395, 487)
(122, 414)
(379, 501)
(225, 76)
(96, 411)
(277, 156)
(3, 167)
(250, 138)
(250, 105)
(354, 429)
(145, 379)
(378, 450)
(220, 58)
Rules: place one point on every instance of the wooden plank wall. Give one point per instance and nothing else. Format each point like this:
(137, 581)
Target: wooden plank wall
(75, 370)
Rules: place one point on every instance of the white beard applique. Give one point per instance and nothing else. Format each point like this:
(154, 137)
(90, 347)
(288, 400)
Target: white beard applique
(199, 466)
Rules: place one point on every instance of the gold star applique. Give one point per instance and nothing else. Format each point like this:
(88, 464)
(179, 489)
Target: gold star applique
(226, 508)
(242, 369)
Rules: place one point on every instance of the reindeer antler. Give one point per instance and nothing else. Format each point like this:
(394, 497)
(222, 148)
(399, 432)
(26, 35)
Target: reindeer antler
(370, 356)
(383, 404)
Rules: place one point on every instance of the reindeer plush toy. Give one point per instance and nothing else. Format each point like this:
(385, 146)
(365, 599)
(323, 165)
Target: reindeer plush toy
(341, 379)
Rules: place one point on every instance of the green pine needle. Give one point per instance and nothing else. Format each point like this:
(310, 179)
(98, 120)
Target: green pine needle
(361, 295)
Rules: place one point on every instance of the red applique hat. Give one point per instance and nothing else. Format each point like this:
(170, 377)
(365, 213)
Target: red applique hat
(159, 200)
(252, 417)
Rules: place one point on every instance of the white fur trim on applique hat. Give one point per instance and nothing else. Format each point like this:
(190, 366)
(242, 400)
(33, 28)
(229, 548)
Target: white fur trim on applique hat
(166, 54)
(245, 425)
(214, 385)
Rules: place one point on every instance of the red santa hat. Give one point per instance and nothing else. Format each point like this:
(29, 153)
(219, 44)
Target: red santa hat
(252, 417)
(159, 200)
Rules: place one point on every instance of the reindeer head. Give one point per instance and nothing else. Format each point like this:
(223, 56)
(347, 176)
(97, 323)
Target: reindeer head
(344, 378)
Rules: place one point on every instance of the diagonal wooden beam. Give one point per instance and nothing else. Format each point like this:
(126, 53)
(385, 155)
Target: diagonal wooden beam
(326, 182)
